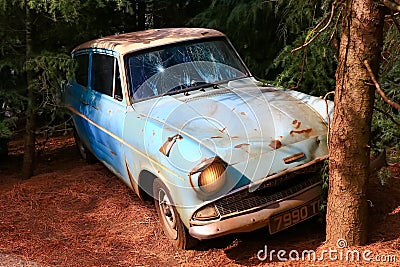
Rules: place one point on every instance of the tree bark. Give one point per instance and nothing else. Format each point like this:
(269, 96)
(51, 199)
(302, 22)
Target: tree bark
(349, 148)
(29, 138)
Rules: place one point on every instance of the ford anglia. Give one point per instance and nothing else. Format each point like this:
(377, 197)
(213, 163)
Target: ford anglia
(177, 115)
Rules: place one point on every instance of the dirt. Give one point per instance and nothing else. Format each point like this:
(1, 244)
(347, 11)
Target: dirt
(73, 214)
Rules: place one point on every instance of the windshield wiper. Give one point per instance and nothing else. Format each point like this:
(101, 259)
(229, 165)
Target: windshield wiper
(183, 88)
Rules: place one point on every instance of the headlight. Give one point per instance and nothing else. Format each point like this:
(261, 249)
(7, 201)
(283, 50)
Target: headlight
(210, 174)
(212, 178)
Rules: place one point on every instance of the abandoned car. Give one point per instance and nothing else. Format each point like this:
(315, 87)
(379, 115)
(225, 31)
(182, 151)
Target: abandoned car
(177, 115)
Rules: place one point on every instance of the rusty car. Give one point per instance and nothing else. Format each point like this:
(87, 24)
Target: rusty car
(176, 114)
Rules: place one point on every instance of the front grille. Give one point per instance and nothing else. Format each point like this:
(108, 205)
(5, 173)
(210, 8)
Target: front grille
(269, 191)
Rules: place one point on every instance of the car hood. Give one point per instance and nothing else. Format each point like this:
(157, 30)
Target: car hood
(240, 121)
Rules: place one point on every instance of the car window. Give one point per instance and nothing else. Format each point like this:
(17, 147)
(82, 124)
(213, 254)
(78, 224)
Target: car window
(82, 68)
(103, 73)
(181, 66)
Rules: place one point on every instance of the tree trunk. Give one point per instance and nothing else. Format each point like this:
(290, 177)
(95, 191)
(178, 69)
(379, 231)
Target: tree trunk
(349, 148)
(29, 138)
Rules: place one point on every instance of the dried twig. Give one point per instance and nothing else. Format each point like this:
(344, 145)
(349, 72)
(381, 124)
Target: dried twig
(327, 109)
(336, 25)
(320, 31)
(301, 73)
(378, 87)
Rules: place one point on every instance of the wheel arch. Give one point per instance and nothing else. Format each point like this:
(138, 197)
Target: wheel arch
(145, 185)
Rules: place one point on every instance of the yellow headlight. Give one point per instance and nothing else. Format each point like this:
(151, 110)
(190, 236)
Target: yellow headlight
(213, 177)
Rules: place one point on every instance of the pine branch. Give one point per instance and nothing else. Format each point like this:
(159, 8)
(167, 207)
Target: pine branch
(388, 115)
(320, 31)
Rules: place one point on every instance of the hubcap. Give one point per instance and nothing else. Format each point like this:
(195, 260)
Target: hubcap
(168, 215)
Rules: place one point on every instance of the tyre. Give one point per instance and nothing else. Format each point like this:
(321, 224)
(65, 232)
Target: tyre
(83, 150)
(170, 221)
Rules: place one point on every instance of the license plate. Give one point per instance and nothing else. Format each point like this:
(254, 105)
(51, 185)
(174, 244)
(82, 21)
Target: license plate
(291, 217)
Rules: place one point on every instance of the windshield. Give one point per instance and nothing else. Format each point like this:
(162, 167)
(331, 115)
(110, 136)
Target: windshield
(181, 67)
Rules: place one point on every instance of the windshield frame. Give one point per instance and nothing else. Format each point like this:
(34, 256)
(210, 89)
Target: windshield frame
(224, 39)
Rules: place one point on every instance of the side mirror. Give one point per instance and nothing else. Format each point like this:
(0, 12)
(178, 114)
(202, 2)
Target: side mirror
(63, 86)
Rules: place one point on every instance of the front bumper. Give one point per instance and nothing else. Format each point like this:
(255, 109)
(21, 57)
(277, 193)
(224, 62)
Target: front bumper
(247, 222)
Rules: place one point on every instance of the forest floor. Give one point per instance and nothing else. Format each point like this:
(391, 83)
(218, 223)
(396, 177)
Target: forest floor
(73, 214)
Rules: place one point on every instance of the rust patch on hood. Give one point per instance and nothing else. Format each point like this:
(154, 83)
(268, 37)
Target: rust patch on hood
(241, 145)
(275, 144)
(306, 131)
(296, 124)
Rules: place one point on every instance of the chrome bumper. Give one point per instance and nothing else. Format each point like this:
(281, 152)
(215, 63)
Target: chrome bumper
(255, 220)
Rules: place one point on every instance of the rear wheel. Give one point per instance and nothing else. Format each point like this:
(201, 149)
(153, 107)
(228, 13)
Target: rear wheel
(170, 221)
(83, 150)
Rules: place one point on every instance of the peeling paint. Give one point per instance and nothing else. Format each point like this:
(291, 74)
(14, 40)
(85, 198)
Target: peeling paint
(241, 145)
(275, 144)
(296, 124)
(167, 146)
(306, 131)
(294, 157)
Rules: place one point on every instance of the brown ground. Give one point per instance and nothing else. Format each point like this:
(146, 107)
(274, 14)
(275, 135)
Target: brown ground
(74, 214)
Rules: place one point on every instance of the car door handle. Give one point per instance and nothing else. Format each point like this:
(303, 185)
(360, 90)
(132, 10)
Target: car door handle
(84, 102)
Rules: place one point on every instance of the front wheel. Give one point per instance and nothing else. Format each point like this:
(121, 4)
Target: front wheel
(169, 217)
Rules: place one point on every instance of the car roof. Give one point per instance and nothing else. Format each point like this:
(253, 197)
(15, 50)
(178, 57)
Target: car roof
(134, 41)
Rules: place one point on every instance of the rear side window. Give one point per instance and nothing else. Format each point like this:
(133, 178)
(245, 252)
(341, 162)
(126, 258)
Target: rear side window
(81, 70)
(103, 73)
